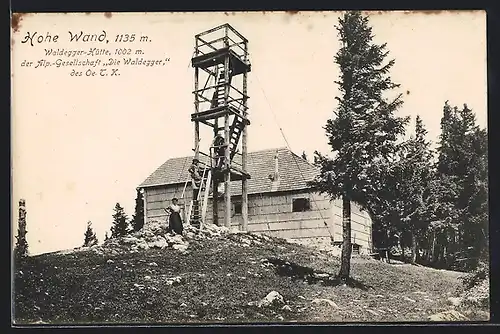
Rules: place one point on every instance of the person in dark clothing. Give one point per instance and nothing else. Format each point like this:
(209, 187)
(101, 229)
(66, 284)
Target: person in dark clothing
(219, 151)
(174, 219)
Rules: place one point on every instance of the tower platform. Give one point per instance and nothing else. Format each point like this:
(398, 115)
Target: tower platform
(218, 112)
(236, 64)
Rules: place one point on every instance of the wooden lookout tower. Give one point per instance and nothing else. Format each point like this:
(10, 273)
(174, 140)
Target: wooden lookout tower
(221, 67)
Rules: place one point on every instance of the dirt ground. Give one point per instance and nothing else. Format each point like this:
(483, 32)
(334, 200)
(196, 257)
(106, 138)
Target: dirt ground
(225, 279)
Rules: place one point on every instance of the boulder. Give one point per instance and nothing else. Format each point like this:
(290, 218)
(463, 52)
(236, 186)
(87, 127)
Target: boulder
(158, 243)
(273, 298)
(325, 301)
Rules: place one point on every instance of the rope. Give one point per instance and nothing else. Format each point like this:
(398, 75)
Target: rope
(293, 155)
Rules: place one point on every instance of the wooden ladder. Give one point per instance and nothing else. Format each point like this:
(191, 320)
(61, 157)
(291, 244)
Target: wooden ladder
(197, 218)
(218, 98)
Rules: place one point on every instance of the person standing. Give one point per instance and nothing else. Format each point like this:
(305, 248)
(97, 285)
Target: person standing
(174, 219)
(194, 171)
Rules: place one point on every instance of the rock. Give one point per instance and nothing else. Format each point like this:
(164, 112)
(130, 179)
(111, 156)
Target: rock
(451, 315)
(110, 261)
(272, 298)
(409, 299)
(246, 242)
(147, 277)
(158, 243)
(373, 312)
(321, 275)
(301, 297)
(286, 308)
(174, 240)
(143, 245)
(180, 247)
(153, 264)
(130, 240)
(323, 300)
(174, 280)
(455, 301)
(183, 305)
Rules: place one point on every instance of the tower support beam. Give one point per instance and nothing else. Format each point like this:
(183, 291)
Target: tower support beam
(244, 136)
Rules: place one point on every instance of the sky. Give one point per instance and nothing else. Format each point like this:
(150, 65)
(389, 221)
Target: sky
(82, 144)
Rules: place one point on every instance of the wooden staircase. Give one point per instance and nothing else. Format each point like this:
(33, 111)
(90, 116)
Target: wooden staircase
(235, 132)
(218, 100)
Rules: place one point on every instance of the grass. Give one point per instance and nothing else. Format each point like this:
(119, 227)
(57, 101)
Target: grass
(221, 280)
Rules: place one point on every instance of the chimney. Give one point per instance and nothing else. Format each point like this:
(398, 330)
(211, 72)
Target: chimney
(276, 170)
(275, 177)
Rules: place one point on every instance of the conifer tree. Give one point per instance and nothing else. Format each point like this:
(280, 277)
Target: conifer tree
(120, 225)
(90, 236)
(462, 167)
(364, 131)
(138, 217)
(414, 176)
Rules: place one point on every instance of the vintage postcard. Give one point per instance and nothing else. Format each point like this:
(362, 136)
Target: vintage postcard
(249, 167)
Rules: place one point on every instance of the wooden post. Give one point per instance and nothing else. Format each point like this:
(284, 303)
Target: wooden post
(244, 137)
(215, 182)
(227, 164)
(196, 123)
(145, 204)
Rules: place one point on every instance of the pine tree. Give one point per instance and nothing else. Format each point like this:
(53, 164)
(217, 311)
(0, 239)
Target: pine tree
(462, 217)
(106, 236)
(138, 217)
(364, 132)
(414, 176)
(21, 247)
(90, 236)
(120, 225)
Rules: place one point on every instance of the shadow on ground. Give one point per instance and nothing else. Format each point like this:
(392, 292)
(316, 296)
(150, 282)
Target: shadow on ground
(311, 276)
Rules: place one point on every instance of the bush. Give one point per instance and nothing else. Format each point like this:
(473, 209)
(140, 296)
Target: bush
(477, 276)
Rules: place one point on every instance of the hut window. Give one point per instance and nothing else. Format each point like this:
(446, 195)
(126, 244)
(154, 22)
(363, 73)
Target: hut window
(301, 204)
(237, 208)
(355, 248)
